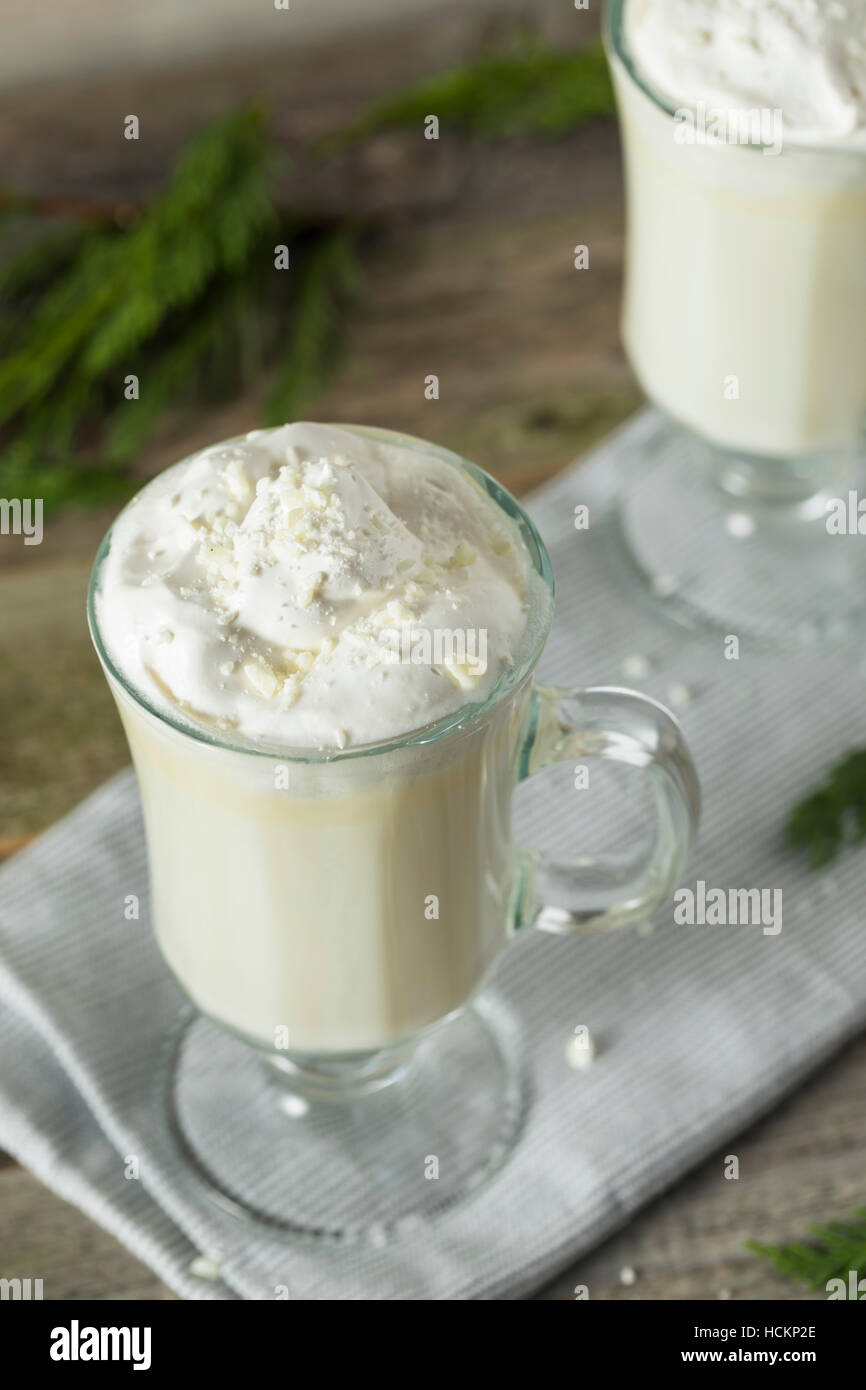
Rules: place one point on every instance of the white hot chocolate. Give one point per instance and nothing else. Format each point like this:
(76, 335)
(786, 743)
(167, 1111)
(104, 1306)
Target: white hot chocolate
(746, 258)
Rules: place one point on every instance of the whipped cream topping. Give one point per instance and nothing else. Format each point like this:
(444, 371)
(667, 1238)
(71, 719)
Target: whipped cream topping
(261, 587)
(806, 58)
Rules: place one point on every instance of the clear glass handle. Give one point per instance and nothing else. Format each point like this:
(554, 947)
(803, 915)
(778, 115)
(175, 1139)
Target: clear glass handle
(590, 894)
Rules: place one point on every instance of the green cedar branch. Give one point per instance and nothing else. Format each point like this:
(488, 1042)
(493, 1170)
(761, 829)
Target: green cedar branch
(836, 1251)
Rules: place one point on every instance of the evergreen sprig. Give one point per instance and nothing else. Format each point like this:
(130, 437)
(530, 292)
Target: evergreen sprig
(835, 1251)
(333, 274)
(534, 90)
(185, 295)
(832, 816)
(120, 287)
(186, 298)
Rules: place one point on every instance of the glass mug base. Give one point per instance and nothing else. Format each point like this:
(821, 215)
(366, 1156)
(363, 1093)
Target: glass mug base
(713, 550)
(361, 1150)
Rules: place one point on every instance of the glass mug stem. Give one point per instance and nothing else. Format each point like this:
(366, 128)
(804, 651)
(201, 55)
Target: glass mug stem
(790, 491)
(621, 726)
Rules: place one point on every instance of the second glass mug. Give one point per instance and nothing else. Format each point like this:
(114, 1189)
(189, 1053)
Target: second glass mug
(744, 302)
(342, 910)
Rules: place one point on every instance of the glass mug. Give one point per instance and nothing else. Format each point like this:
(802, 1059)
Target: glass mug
(334, 915)
(743, 310)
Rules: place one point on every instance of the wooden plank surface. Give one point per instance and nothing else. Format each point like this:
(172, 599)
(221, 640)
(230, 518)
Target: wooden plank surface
(471, 278)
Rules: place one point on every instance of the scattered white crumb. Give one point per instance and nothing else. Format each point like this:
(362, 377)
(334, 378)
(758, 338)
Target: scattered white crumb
(580, 1051)
(636, 667)
(205, 1267)
(663, 585)
(296, 1106)
(627, 1275)
(408, 1225)
(740, 524)
(679, 695)
(724, 1293)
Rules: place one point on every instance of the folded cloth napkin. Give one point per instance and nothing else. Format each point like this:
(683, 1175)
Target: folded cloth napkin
(699, 1029)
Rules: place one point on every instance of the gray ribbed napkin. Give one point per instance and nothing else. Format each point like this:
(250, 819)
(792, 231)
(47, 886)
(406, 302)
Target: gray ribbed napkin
(698, 1029)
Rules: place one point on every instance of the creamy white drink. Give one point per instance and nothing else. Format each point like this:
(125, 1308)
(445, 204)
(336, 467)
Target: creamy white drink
(744, 134)
(251, 602)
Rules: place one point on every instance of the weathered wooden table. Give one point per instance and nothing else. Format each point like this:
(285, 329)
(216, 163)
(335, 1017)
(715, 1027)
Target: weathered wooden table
(471, 278)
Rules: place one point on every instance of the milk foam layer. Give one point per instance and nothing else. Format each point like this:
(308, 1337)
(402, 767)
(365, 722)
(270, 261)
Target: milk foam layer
(806, 58)
(258, 587)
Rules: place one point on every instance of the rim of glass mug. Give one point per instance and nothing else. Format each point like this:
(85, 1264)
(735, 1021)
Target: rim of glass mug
(467, 716)
(613, 38)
